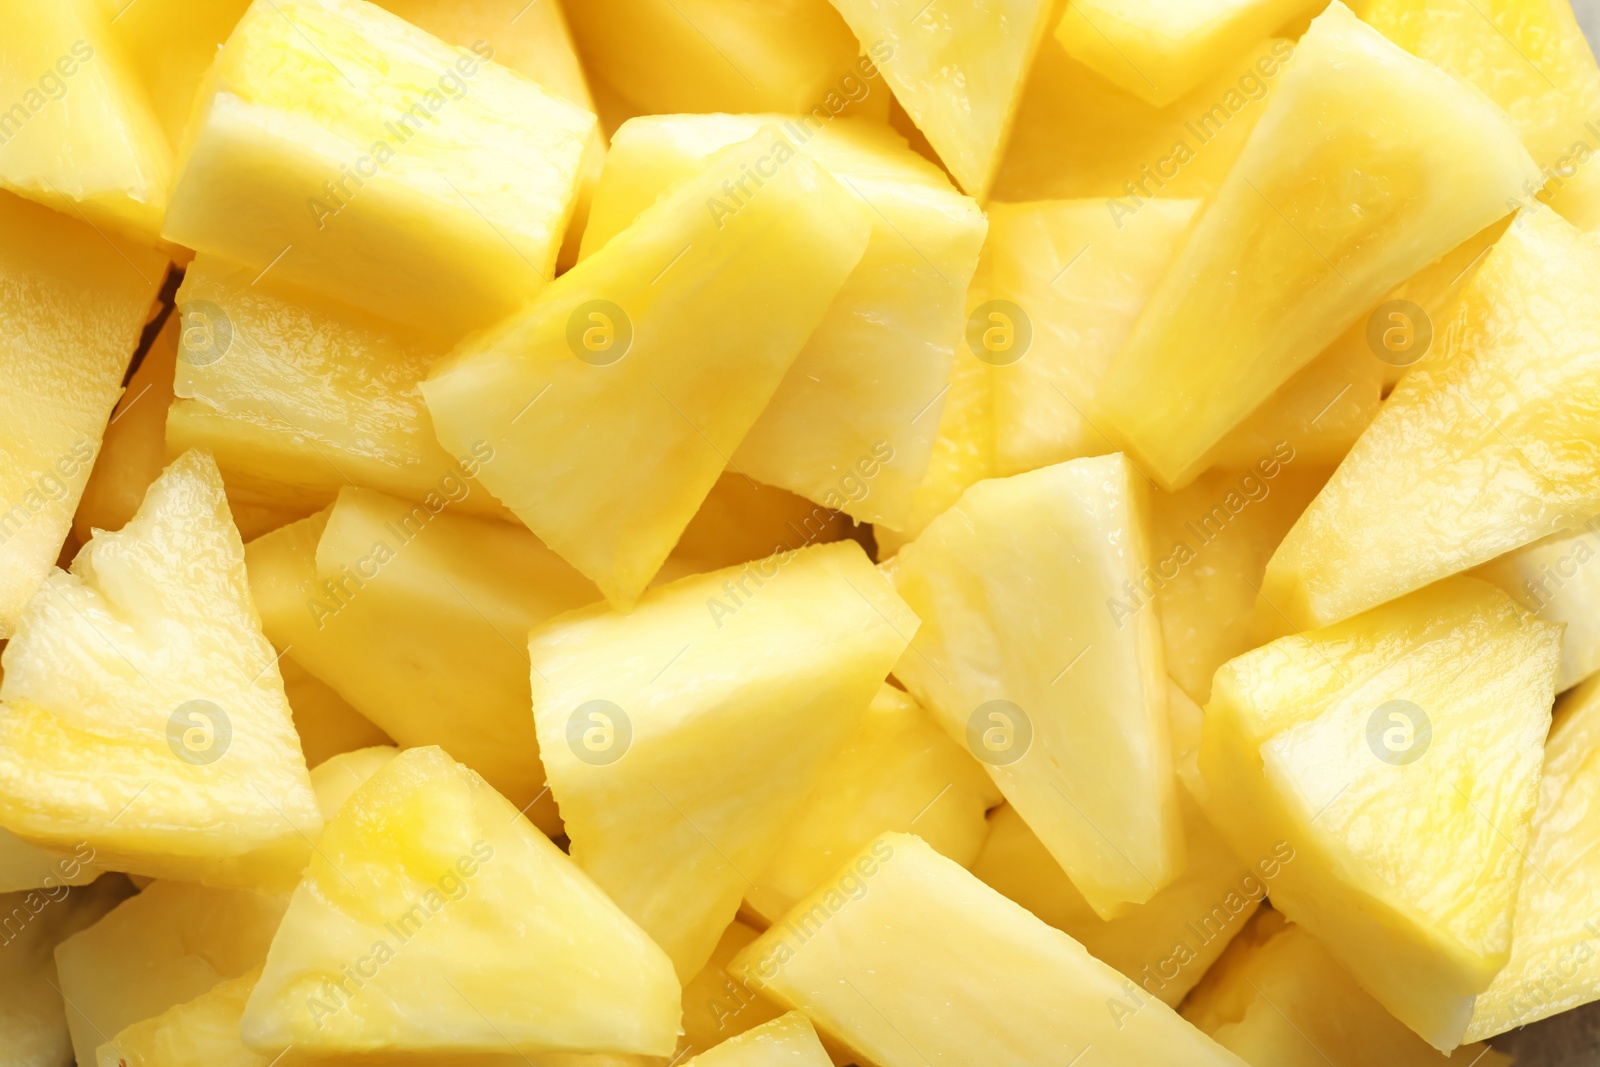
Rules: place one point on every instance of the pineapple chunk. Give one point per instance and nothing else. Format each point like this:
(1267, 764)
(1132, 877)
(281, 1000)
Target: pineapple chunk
(72, 307)
(742, 520)
(159, 949)
(1489, 441)
(417, 619)
(435, 921)
(904, 951)
(1278, 999)
(355, 155)
(958, 70)
(1159, 50)
(325, 721)
(853, 424)
(716, 1005)
(170, 44)
(1552, 579)
(1323, 213)
(336, 780)
(787, 1041)
(899, 772)
(25, 866)
(741, 683)
(142, 708)
(1080, 276)
(78, 133)
(1063, 697)
(203, 1032)
(1398, 755)
(660, 351)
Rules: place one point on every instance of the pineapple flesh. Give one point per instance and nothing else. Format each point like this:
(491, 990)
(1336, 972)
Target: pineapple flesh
(716, 1005)
(1552, 578)
(787, 1041)
(170, 45)
(203, 1032)
(327, 724)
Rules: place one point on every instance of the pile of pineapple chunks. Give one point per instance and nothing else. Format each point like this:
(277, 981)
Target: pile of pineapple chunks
(976, 533)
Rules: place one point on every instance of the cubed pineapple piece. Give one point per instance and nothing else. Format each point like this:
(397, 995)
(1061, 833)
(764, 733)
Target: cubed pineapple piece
(658, 352)
(164, 947)
(1159, 50)
(1553, 579)
(1324, 212)
(899, 772)
(1062, 697)
(418, 619)
(904, 951)
(741, 683)
(1278, 999)
(350, 153)
(1489, 442)
(327, 724)
(853, 424)
(78, 133)
(1398, 755)
(957, 69)
(72, 306)
(718, 1006)
(787, 1041)
(742, 520)
(435, 921)
(1074, 278)
(143, 712)
(170, 45)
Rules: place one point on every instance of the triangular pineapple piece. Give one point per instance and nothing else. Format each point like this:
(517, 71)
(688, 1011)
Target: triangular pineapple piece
(787, 1041)
(203, 1032)
(1397, 755)
(657, 353)
(957, 67)
(1063, 698)
(742, 683)
(1323, 213)
(903, 951)
(1487, 441)
(142, 708)
(1552, 578)
(435, 921)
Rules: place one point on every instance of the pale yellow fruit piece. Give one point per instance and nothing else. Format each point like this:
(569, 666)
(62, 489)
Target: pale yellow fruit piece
(899, 772)
(1078, 136)
(434, 920)
(1159, 50)
(957, 69)
(360, 157)
(203, 1032)
(78, 132)
(659, 353)
(716, 1004)
(170, 44)
(33, 1017)
(1397, 756)
(787, 1041)
(1278, 999)
(1490, 441)
(1320, 412)
(904, 955)
(1076, 277)
(25, 866)
(1553, 579)
(164, 947)
(325, 721)
(1323, 213)
(742, 520)
(741, 683)
(1556, 937)
(418, 620)
(72, 306)
(1062, 698)
(143, 712)
(853, 424)
(340, 776)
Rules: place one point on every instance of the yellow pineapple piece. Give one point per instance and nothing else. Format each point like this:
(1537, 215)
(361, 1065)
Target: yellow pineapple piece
(337, 779)
(434, 920)
(170, 45)
(899, 772)
(787, 1041)
(325, 721)
(736, 280)
(853, 424)
(203, 1032)
(1159, 50)
(1320, 412)
(1063, 698)
(718, 1006)
(1322, 214)
(1553, 580)
(903, 951)
(171, 943)
(72, 306)
(78, 133)
(142, 708)
(25, 866)
(1278, 999)
(957, 69)
(1397, 754)
(742, 520)
(352, 154)
(1488, 441)
(744, 682)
